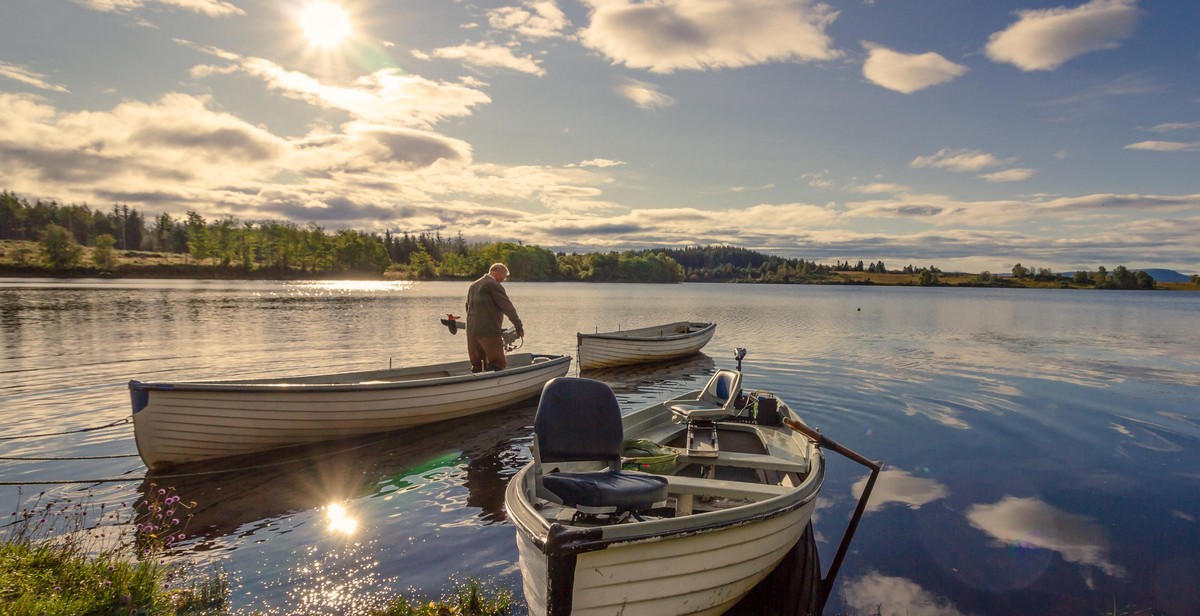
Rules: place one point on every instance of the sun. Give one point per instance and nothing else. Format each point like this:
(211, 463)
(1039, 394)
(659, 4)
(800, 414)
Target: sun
(325, 24)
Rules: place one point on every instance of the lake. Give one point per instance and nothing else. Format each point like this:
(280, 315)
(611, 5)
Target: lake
(1041, 447)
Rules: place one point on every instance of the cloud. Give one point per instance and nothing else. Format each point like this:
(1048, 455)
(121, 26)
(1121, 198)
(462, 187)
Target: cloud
(1017, 174)
(671, 35)
(1032, 523)
(1165, 146)
(28, 77)
(212, 8)
(487, 55)
(878, 187)
(1168, 127)
(908, 73)
(387, 96)
(644, 95)
(897, 486)
(1042, 40)
(601, 163)
(534, 19)
(875, 593)
(962, 161)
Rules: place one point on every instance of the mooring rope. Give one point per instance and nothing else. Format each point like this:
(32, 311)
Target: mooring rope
(123, 420)
(56, 459)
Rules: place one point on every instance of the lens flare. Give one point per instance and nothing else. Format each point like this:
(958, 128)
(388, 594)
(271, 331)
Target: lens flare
(325, 24)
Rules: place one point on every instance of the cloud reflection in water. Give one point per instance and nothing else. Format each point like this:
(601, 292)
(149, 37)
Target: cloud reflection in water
(897, 486)
(875, 593)
(1032, 523)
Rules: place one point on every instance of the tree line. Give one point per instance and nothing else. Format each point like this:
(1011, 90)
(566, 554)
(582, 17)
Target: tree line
(227, 246)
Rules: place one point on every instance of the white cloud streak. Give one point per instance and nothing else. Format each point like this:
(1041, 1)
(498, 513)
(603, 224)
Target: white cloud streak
(487, 55)
(644, 95)
(1165, 146)
(212, 8)
(28, 77)
(1042, 40)
(1010, 175)
(387, 96)
(908, 73)
(961, 161)
(672, 35)
(534, 19)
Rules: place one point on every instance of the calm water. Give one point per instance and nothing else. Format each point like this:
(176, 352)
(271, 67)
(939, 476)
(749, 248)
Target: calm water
(1042, 448)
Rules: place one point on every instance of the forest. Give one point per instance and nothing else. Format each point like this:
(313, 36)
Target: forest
(49, 238)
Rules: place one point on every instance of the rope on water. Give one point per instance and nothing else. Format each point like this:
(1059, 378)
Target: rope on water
(65, 481)
(55, 459)
(123, 420)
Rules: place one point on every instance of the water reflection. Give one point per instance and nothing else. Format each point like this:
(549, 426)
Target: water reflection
(1032, 523)
(883, 595)
(233, 494)
(339, 519)
(897, 486)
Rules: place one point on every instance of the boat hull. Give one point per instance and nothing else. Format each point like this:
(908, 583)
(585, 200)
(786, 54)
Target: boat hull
(698, 573)
(692, 563)
(643, 345)
(178, 423)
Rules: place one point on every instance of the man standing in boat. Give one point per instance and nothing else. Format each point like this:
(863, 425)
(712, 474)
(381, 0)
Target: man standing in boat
(487, 305)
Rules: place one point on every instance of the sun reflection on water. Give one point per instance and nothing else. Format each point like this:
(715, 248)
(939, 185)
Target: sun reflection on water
(340, 521)
(347, 287)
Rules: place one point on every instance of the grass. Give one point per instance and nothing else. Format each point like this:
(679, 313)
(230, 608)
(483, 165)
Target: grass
(465, 600)
(70, 557)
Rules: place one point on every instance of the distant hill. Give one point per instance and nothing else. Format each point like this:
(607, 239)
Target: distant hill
(1166, 275)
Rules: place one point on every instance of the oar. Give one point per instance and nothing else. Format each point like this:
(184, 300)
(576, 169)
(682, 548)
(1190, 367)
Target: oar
(828, 443)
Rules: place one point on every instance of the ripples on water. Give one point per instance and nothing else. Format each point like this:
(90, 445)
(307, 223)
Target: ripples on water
(1041, 446)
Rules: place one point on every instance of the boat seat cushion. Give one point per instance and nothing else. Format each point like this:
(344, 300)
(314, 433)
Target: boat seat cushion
(698, 412)
(579, 420)
(621, 490)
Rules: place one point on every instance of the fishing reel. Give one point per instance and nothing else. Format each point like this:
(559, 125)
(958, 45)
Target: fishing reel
(512, 341)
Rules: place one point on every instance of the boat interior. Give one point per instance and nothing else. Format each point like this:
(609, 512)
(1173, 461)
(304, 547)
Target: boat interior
(394, 375)
(698, 454)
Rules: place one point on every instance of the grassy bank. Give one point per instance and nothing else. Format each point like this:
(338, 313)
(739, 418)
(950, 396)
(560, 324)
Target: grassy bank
(70, 557)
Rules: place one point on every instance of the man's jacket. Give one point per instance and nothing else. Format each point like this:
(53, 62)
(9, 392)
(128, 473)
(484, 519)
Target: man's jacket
(487, 305)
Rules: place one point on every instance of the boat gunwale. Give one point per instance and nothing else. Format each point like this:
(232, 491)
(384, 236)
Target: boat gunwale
(628, 336)
(574, 540)
(296, 387)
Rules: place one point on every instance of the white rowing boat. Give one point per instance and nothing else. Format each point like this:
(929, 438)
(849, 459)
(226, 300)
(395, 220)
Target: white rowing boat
(180, 422)
(733, 490)
(642, 345)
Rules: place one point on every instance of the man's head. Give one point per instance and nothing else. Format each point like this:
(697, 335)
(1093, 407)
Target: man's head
(499, 271)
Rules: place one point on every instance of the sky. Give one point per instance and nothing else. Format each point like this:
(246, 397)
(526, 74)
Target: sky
(966, 134)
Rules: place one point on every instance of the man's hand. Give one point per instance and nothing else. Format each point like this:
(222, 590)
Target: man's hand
(520, 333)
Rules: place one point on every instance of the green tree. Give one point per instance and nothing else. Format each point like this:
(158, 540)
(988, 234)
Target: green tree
(927, 278)
(1081, 277)
(1020, 271)
(420, 264)
(103, 255)
(59, 248)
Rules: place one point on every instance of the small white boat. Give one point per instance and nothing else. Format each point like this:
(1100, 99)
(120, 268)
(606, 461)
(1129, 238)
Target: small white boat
(641, 345)
(180, 422)
(734, 482)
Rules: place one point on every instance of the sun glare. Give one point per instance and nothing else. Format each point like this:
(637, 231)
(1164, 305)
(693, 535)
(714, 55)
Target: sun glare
(340, 520)
(325, 24)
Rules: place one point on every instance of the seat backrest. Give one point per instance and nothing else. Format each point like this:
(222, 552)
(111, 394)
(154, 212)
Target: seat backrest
(578, 420)
(722, 388)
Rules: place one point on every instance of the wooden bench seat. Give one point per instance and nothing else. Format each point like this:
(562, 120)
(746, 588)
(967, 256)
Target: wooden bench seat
(718, 487)
(746, 460)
